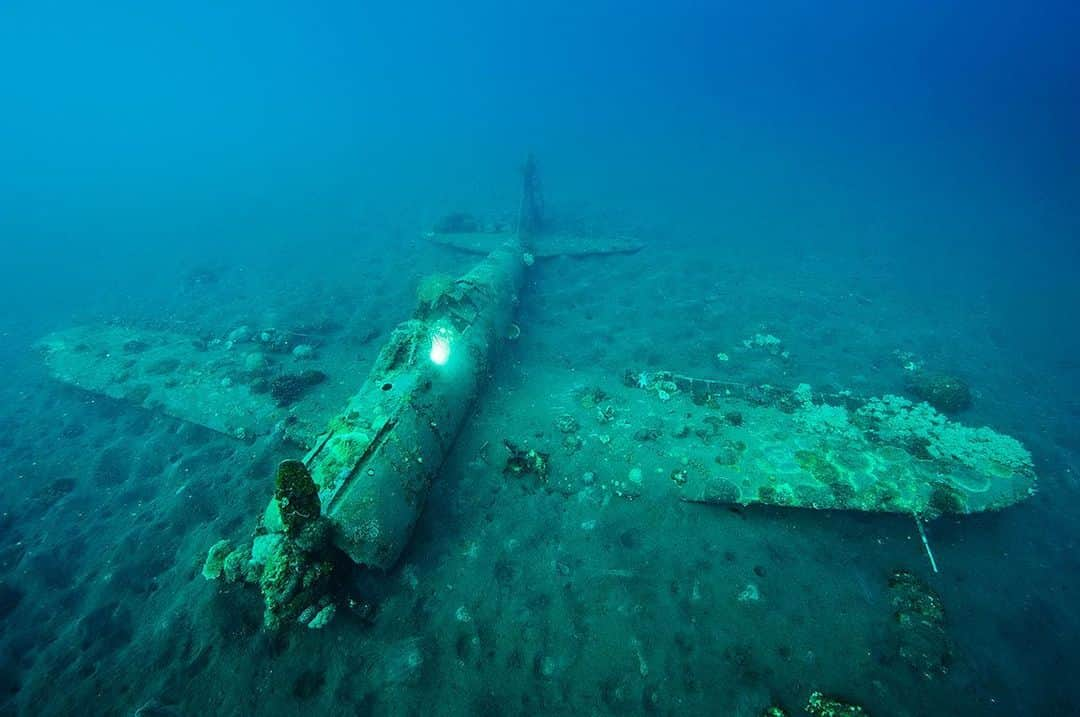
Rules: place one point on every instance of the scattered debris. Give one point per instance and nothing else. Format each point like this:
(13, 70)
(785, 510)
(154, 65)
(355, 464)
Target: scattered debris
(919, 633)
(822, 706)
(605, 414)
(289, 388)
(521, 462)
(769, 344)
(948, 394)
(566, 423)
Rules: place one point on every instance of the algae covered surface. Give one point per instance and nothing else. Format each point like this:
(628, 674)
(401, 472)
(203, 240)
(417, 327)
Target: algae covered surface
(779, 415)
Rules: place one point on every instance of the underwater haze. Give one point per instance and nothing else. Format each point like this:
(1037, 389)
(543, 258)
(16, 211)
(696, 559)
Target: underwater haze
(834, 219)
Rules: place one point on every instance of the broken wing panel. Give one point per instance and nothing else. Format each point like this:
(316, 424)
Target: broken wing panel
(208, 385)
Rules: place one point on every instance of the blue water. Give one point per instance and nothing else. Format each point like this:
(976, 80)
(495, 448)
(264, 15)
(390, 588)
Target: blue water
(856, 178)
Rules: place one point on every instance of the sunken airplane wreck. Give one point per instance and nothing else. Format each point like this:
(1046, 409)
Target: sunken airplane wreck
(364, 469)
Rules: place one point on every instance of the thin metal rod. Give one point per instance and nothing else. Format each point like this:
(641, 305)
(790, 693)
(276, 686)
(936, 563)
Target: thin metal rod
(925, 542)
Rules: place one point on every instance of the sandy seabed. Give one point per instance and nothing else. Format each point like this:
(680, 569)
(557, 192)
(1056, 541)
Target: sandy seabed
(516, 597)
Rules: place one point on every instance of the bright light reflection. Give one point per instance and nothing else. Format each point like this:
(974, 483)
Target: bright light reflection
(440, 349)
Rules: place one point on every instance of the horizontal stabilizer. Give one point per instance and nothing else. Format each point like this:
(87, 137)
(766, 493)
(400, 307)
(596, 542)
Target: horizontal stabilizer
(541, 246)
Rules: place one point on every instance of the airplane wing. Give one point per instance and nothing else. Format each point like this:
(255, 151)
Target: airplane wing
(235, 389)
(658, 435)
(762, 444)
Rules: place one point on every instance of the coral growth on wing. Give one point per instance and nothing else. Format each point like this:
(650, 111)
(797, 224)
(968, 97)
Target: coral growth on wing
(921, 429)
